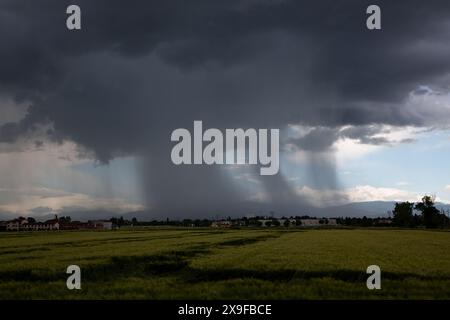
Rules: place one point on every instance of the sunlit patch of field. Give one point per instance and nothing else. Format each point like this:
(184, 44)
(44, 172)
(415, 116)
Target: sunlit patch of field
(165, 263)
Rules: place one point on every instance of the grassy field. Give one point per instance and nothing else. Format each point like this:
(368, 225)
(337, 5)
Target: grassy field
(158, 263)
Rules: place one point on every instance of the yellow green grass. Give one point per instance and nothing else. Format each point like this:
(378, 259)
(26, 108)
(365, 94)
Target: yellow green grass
(164, 263)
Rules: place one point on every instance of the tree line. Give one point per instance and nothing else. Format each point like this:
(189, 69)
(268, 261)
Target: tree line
(423, 213)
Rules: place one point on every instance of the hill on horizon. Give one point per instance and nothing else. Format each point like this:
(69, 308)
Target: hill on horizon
(356, 209)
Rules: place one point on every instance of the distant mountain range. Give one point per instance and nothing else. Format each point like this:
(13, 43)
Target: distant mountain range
(356, 209)
(359, 209)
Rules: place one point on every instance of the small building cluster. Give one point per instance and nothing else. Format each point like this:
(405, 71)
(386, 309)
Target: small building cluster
(30, 224)
(310, 222)
(222, 224)
(274, 222)
(25, 224)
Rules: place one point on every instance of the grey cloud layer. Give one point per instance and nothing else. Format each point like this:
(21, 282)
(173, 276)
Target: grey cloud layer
(139, 69)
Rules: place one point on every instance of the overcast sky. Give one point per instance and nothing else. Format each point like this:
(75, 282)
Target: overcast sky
(86, 116)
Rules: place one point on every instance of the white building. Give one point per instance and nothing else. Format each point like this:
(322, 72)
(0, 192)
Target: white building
(101, 224)
(221, 224)
(22, 224)
(270, 222)
(310, 222)
(318, 222)
(332, 222)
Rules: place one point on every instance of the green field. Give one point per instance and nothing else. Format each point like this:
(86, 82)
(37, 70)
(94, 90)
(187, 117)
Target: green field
(157, 263)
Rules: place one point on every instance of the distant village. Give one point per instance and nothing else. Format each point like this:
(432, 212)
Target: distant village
(65, 223)
(30, 224)
(422, 214)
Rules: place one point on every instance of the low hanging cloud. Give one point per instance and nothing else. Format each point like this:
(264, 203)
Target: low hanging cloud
(322, 139)
(43, 201)
(362, 193)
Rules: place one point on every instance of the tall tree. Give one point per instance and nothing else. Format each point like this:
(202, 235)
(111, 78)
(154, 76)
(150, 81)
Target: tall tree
(403, 214)
(430, 214)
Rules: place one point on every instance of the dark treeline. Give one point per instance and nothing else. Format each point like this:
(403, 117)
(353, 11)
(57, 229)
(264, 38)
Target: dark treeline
(175, 223)
(365, 222)
(405, 214)
(424, 213)
(244, 221)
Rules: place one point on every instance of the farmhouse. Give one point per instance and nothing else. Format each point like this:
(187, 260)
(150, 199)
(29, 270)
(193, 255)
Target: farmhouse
(318, 222)
(332, 222)
(47, 225)
(101, 224)
(30, 224)
(276, 222)
(310, 222)
(73, 225)
(24, 224)
(385, 221)
(221, 224)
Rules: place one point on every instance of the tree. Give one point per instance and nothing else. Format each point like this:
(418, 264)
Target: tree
(65, 219)
(287, 223)
(31, 220)
(134, 221)
(403, 214)
(120, 222)
(430, 214)
(366, 222)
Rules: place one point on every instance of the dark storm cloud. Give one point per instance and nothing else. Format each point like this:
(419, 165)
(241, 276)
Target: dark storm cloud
(366, 135)
(348, 58)
(139, 69)
(11, 131)
(318, 139)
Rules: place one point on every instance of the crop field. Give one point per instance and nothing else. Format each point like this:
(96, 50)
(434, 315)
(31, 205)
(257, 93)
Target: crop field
(165, 263)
